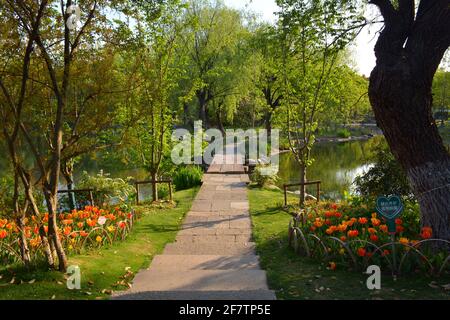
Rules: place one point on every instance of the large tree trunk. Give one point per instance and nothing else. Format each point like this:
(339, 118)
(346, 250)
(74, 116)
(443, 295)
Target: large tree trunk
(408, 53)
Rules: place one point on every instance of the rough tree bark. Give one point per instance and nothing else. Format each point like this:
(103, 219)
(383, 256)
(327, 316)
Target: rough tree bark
(408, 52)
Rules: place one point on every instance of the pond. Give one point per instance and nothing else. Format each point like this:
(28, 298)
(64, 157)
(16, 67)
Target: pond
(335, 164)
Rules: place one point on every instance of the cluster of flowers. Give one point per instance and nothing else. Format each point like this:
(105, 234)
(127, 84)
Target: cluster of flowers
(362, 234)
(99, 226)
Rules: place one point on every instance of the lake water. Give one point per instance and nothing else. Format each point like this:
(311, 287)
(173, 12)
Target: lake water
(335, 164)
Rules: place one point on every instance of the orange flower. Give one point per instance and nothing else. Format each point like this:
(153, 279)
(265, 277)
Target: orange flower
(3, 234)
(331, 230)
(398, 221)
(343, 238)
(375, 222)
(329, 214)
(91, 222)
(426, 233)
(386, 252)
(374, 237)
(403, 240)
(3, 223)
(399, 229)
(342, 227)
(67, 230)
(361, 252)
(362, 220)
(35, 242)
(372, 230)
(352, 233)
(384, 228)
(99, 239)
(334, 206)
(84, 234)
(36, 230)
(46, 229)
(122, 225)
(332, 266)
(80, 224)
(328, 222)
(318, 223)
(67, 221)
(338, 214)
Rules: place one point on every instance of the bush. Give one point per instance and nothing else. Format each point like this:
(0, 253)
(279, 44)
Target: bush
(263, 176)
(106, 189)
(344, 133)
(188, 177)
(386, 177)
(163, 191)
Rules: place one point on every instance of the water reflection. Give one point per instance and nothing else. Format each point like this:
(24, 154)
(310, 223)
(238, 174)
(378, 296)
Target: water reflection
(336, 165)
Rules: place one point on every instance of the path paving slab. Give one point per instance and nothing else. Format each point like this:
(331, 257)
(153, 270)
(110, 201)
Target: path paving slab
(205, 262)
(201, 280)
(213, 256)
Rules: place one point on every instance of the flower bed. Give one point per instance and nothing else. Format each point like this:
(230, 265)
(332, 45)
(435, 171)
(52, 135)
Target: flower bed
(346, 236)
(91, 227)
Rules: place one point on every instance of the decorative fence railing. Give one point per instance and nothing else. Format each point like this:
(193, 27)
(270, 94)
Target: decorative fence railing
(399, 257)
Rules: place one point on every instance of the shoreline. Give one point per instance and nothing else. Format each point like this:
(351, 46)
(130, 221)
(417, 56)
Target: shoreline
(324, 140)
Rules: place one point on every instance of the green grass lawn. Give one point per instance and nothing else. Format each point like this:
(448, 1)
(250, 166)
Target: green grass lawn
(102, 269)
(296, 277)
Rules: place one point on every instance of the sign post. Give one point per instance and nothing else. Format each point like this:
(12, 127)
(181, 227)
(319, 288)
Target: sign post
(390, 208)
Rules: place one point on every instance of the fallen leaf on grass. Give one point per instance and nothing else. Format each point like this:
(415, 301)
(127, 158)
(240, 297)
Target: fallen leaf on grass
(32, 281)
(12, 280)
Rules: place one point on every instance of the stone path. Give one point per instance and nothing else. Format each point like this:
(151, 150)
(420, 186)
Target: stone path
(213, 256)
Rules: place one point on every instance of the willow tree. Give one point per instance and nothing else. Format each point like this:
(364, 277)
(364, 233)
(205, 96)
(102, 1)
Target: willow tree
(410, 47)
(314, 33)
(214, 45)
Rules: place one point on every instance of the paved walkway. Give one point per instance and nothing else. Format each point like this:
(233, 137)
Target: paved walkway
(213, 256)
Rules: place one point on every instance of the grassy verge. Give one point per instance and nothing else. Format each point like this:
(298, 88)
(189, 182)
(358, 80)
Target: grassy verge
(102, 269)
(296, 277)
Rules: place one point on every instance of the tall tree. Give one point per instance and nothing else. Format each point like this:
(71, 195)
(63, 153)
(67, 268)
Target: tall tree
(213, 47)
(408, 51)
(314, 33)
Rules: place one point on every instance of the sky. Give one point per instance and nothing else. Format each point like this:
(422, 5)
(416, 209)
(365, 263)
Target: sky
(362, 50)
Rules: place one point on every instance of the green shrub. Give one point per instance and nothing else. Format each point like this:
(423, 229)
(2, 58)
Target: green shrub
(163, 191)
(106, 189)
(263, 176)
(188, 177)
(386, 177)
(344, 133)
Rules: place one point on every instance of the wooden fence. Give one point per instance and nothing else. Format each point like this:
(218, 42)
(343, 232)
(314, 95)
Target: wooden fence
(317, 183)
(138, 183)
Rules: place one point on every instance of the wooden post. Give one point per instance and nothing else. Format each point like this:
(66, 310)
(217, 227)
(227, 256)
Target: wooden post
(91, 197)
(285, 194)
(137, 193)
(170, 190)
(318, 191)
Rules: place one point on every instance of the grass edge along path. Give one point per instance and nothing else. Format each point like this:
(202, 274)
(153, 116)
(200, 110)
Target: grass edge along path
(101, 269)
(296, 277)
